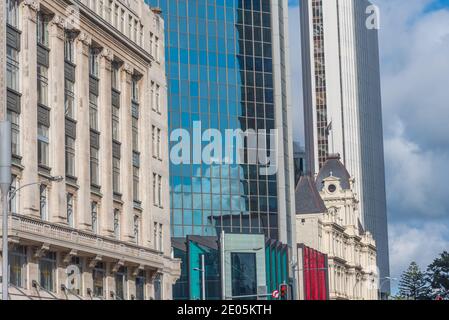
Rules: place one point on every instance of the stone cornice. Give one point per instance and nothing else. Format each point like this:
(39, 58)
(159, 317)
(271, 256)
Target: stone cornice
(34, 5)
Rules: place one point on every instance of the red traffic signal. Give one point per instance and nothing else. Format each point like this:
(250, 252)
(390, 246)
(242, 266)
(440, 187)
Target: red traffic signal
(283, 291)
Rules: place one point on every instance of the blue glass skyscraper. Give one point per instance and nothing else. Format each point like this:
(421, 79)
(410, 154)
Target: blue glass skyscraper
(226, 68)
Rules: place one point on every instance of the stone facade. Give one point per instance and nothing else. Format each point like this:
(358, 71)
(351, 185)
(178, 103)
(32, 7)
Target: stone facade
(330, 223)
(90, 191)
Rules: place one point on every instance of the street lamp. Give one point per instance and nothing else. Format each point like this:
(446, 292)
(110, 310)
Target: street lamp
(203, 277)
(382, 282)
(7, 196)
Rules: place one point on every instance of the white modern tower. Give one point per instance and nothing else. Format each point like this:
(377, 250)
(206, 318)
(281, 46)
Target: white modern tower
(342, 103)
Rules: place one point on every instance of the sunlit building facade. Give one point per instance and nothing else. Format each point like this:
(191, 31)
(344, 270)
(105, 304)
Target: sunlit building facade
(227, 69)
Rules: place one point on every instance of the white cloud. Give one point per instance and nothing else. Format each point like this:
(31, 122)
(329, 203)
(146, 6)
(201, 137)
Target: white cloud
(416, 179)
(420, 244)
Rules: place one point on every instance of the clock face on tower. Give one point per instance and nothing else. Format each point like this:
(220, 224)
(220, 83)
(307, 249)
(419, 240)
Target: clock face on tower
(332, 188)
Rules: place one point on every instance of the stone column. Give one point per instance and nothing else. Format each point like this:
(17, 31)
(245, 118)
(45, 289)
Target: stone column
(82, 146)
(145, 160)
(105, 119)
(28, 65)
(57, 198)
(126, 165)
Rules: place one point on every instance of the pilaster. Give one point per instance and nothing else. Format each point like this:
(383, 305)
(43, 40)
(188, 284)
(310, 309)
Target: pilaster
(82, 163)
(105, 116)
(29, 196)
(126, 153)
(57, 198)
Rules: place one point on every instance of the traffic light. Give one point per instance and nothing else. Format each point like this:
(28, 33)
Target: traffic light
(283, 291)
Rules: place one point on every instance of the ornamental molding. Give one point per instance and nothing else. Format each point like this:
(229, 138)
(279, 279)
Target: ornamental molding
(128, 68)
(107, 54)
(32, 4)
(85, 38)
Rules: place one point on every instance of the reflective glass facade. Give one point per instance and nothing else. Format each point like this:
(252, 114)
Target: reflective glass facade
(220, 72)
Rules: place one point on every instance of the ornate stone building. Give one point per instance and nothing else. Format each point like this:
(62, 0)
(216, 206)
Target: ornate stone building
(89, 198)
(327, 220)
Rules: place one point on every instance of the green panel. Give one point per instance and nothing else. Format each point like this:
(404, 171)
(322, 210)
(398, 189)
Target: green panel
(195, 252)
(279, 268)
(268, 271)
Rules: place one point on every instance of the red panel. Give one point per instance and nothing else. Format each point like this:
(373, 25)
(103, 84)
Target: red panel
(315, 276)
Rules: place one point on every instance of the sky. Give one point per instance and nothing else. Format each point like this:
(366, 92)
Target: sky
(414, 50)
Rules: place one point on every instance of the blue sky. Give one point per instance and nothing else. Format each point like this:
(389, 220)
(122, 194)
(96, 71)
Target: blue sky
(414, 44)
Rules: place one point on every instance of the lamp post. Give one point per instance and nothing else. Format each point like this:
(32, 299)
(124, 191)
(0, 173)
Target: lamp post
(203, 277)
(382, 282)
(7, 196)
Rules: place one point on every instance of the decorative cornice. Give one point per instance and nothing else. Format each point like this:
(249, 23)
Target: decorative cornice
(58, 21)
(107, 54)
(128, 68)
(32, 4)
(85, 38)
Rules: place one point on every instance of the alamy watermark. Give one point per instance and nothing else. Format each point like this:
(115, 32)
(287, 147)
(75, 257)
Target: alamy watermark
(233, 146)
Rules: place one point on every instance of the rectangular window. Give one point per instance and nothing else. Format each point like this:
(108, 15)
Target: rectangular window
(136, 181)
(151, 43)
(14, 118)
(70, 156)
(158, 144)
(243, 274)
(156, 48)
(130, 26)
(98, 280)
(159, 191)
(69, 98)
(120, 283)
(155, 233)
(93, 111)
(137, 229)
(116, 10)
(158, 99)
(47, 269)
(42, 29)
(70, 213)
(12, 13)
(161, 246)
(116, 123)
(93, 62)
(154, 189)
(43, 145)
(14, 198)
(122, 21)
(42, 85)
(43, 208)
(117, 224)
(153, 141)
(116, 174)
(69, 48)
(140, 285)
(141, 36)
(135, 31)
(94, 216)
(12, 69)
(17, 266)
(157, 285)
(115, 77)
(94, 166)
(135, 134)
(153, 96)
(135, 90)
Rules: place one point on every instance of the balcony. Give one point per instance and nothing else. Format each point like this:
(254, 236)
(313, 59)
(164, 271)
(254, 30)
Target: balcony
(63, 237)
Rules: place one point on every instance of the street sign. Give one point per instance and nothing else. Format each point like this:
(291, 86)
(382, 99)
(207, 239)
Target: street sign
(275, 294)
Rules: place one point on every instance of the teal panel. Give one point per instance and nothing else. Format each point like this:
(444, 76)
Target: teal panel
(195, 252)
